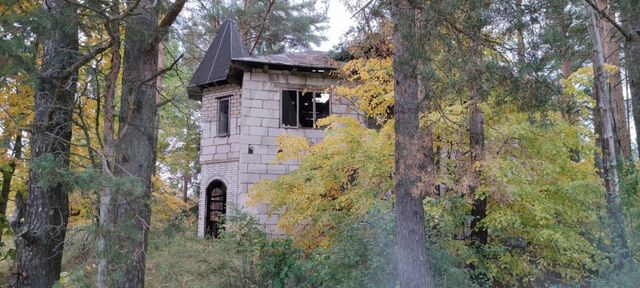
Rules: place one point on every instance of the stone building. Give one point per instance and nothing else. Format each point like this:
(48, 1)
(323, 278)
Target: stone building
(247, 102)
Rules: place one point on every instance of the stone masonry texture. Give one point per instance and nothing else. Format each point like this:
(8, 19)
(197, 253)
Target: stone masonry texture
(247, 154)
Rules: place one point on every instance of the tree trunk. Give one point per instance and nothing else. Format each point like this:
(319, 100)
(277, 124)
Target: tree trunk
(413, 264)
(614, 85)
(631, 22)
(108, 157)
(135, 151)
(479, 234)
(40, 235)
(7, 176)
(609, 161)
(185, 186)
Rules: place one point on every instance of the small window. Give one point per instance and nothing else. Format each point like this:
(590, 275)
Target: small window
(304, 109)
(223, 117)
(290, 108)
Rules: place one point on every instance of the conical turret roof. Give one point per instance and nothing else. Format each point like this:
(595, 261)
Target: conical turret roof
(214, 67)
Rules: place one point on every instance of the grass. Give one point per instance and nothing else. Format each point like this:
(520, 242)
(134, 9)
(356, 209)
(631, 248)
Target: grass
(176, 257)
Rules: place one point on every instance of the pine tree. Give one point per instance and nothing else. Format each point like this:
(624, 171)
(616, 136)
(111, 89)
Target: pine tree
(413, 263)
(40, 231)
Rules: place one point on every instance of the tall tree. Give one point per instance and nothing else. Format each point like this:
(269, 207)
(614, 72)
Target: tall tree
(267, 26)
(608, 145)
(413, 264)
(40, 235)
(614, 83)
(630, 10)
(479, 233)
(109, 147)
(135, 154)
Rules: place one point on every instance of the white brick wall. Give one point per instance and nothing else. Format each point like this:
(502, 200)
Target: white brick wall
(227, 172)
(255, 119)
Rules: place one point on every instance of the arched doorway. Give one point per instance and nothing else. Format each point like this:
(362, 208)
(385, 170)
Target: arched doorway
(216, 207)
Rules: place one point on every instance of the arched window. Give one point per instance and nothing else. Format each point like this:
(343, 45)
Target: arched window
(216, 207)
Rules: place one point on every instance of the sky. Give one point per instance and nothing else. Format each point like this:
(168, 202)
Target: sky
(339, 22)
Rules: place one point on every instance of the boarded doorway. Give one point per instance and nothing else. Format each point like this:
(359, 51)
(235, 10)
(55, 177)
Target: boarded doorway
(216, 207)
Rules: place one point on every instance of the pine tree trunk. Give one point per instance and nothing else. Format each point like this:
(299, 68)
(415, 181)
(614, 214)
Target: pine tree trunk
(109, 147)
(413, 264)
(135, 150)
(40, 235)
(614, 85)
(631, 21)
(7, 177)
(609, 161)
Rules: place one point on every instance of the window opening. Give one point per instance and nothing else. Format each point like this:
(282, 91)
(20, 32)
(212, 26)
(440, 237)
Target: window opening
(216, 208)
(290, 108)
(304, 109)
(223, 117)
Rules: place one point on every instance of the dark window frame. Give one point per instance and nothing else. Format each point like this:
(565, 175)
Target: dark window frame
(219, 116)
(300, 93)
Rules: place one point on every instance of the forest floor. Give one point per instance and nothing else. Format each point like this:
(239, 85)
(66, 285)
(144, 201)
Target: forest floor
(176, 258)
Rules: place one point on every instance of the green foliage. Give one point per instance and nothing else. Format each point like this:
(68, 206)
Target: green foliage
(242, 257)
(341, 180)
(543, 198)
(545, 208)
(362, 255)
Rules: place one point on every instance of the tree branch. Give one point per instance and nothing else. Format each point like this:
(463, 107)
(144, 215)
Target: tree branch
(162, 71)
(84, 59)
(167, 21)
(606, 16)
(262, 26)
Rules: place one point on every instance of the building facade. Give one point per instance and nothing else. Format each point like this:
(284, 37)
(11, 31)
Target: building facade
(247, 102)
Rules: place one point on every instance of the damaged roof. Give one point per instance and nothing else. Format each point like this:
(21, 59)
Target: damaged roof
(214, 67)
(227, 58)
(305, 59)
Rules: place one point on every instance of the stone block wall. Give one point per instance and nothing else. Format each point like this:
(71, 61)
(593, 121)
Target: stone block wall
(260, 128)
(213, 147)
(247, 155)
(226, 172)
(219, 155)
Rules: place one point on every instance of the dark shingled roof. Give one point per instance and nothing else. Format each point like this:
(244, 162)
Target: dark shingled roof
(214, 67)
(226, 49)
(306, 59)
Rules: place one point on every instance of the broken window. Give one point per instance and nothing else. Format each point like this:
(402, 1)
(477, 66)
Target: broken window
(223, 117)
(290, 108)
(304, 109)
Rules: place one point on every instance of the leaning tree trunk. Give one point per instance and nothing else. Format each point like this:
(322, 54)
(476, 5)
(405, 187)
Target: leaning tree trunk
(413, 264)
(609, 161)
(135, 151)
(631, 20)
(40, 235)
